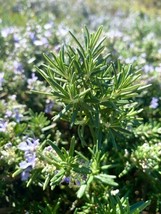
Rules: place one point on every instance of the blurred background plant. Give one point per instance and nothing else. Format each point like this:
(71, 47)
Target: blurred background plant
(27, 30)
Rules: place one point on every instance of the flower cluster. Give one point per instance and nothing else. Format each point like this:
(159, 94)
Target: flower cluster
(29, 147)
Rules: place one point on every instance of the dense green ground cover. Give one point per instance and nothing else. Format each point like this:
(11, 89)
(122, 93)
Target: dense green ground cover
(102, 153)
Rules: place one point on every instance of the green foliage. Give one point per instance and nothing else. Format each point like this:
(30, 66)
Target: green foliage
(101, 154)
(96, 95)
(38, 122)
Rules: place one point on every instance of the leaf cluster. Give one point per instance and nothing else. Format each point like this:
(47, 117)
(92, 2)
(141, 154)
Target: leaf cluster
(93, 90)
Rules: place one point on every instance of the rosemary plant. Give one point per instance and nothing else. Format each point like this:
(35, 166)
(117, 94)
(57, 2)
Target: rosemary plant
(96, 96)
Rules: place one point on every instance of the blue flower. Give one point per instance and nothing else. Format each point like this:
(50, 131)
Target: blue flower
(41, 41)
(49, 106)
(16, 38)
(32, 81)
(17, 115)
(154, 102)
(148, 68)
(29, 147)
(32, 36)
(3, 125)
(24, 164)
(18, 67)
(26, 174)
(8, 113)
(5, 32)
(66, 180)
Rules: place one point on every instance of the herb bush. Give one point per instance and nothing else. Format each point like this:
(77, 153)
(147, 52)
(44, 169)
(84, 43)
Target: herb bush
(89, 143)
(96, 98)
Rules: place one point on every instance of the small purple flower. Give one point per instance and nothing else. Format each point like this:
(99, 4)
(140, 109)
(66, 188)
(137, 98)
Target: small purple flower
(115, 34)
(154, 103)
(29, 147)
(77, 182)
(158, 69)
(67, 180)
(7, 31)
(148, 68)
(47, 34)
(32, 81)
(16, 38)
(48, 148)
(18, 67)
(41, 41)
(17, 115)
(24, 165)
(8, 114)
(14, 114)
(26, 174)
(30, 158)
(3, 125)
(131, 60)
(48, 25)
(62, 30)
(32, 36)
(49, 106)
